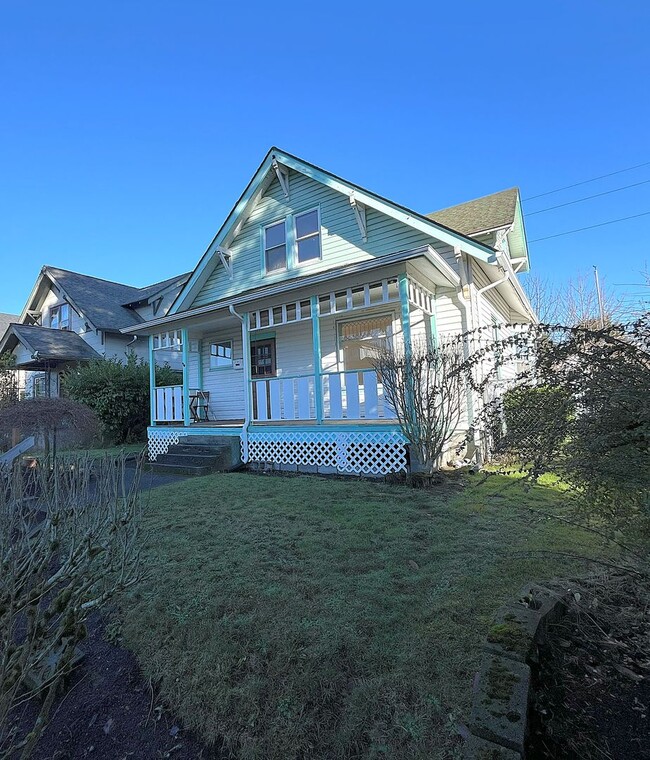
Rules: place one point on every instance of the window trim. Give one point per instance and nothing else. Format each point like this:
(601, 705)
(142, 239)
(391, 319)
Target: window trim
(210, 355)
(296, 240)
(56, 309)
(340, 363)
(263, 229)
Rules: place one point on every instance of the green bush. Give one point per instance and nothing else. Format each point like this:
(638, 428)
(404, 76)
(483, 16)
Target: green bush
(118, 393)
(535, 416)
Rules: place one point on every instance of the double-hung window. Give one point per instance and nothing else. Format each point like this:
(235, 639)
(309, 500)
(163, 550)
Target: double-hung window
(275, 247)
(60, 317)
(221, 354)
(308, 236)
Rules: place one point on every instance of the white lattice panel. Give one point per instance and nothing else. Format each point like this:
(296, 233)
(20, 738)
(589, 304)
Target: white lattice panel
(159, 441)
(376, 453)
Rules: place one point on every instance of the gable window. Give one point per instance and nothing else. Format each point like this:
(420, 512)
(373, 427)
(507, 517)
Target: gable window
(221, 354)
(60, 317)
(308, 236)
(275, 247)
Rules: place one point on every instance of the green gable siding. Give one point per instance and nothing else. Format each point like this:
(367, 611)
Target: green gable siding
(341, 241)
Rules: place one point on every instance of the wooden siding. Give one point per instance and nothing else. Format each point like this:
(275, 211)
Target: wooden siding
(341, 241)
(226, 386)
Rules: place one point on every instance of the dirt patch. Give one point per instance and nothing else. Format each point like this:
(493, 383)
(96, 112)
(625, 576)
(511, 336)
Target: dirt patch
(110, 711)
(592, 692)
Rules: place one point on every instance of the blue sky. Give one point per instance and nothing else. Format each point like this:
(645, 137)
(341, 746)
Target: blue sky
(129, 129)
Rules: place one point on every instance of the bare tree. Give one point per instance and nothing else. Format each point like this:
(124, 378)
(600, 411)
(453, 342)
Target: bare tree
(427, 387)
(47, 416)
(69, 541)
(573, 302)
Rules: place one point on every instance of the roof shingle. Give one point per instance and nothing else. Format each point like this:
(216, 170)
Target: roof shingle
(54, 344)
(487, 213)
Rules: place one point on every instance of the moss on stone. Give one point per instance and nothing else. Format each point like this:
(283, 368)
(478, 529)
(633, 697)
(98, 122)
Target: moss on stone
(500, 682)
(511, 636)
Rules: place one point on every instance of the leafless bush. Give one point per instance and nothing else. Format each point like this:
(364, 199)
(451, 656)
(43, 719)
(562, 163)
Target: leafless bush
(427, 387)
(69, 541)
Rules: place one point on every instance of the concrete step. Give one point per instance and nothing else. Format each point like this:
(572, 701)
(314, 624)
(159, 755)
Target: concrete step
(200, 455)
(180, 469)
(201, 460)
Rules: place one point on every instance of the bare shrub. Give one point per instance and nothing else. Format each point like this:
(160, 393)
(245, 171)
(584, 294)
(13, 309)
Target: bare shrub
(427, 387)
(69, 542)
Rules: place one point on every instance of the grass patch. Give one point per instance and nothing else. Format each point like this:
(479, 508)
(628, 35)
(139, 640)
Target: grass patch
(308, 618)
(94, 453)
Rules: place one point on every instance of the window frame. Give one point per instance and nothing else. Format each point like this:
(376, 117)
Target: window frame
(274, 366)
(211, 356)
(264, 228)
(57, 310)
(296, 239)
(340, 360)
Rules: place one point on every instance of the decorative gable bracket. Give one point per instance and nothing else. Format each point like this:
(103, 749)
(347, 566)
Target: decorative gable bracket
(282, 174)
(360, 215)
(226, 259)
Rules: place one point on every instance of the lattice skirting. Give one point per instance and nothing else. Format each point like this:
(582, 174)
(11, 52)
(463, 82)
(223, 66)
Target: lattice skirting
(159, 441)
(376, 453)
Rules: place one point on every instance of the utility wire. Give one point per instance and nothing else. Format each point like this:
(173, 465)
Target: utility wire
(591, 227)
(586, 181)
(588, 197)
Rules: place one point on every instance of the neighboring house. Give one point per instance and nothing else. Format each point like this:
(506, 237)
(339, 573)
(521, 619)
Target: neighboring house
(71, 318)
(5, 321)
(309, 273)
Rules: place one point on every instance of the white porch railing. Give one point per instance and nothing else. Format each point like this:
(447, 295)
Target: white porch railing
(345, 396)
(168, 404)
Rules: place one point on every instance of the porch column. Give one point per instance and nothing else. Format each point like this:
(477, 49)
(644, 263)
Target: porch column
(186, 377)
(152, 382)
(406, 313)
(318, 364)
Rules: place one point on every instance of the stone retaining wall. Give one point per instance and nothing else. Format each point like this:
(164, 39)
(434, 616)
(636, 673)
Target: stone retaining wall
(499, 717)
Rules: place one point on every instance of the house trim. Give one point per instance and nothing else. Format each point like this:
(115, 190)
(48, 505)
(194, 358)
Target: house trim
(260, 181)
(451, 278)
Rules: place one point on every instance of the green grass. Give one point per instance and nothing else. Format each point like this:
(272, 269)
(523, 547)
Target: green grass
(303, 617)
(96, 453)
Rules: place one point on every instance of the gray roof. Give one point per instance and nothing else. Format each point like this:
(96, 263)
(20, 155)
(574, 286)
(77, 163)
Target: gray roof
(145, 293)
(6, 320)
(487, 213)
(53, 344)
(104, 302)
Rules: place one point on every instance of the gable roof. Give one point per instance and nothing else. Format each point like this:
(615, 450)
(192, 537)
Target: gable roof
(47, 343)
(5, 321)
(258, 184)
(490, 212)
(106, 304)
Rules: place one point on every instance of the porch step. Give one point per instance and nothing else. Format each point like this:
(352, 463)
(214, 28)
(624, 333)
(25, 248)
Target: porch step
(200, 455)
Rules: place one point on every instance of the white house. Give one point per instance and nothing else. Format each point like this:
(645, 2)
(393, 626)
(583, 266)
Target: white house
(309, 272)
(71, 318)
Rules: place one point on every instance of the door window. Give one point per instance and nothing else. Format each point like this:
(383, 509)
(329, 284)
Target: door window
(263, 358)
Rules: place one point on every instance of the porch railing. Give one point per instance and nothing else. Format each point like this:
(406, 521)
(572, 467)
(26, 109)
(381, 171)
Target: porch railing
(345, 396)
(168, 404)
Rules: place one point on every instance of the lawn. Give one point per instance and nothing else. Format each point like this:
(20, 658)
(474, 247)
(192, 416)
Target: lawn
(304, 617)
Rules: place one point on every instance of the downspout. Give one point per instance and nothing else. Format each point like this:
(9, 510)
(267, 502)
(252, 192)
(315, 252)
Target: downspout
(464, 299)
(131, 342)
(494, 284)
(247, 391)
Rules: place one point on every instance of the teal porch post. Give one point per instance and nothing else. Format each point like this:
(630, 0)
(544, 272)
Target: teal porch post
(152, 382)
(406, 314)
(186, 377)
(318, 364)
(246, 351)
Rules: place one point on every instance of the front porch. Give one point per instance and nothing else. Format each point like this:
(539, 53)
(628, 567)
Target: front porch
(295, 380)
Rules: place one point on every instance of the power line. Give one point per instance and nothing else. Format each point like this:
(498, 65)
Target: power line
(589, 197)
(587, 181)
(591, 227)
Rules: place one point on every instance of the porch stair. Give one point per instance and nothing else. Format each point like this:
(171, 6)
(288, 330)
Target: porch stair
(199, 455)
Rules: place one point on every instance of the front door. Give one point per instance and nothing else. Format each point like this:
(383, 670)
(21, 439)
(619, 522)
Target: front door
(263, 358)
